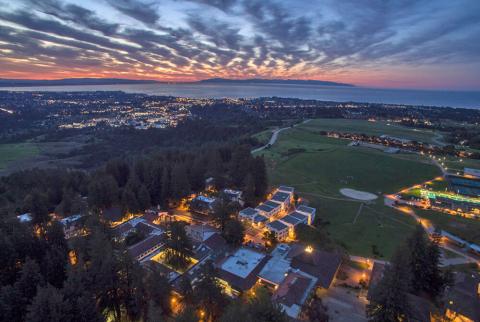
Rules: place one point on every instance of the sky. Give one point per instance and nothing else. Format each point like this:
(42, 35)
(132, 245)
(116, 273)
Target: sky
(433, 44)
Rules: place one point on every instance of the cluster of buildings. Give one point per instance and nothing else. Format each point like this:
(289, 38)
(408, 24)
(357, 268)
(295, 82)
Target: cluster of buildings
(205, 205)
(278, 215)
(292, 272)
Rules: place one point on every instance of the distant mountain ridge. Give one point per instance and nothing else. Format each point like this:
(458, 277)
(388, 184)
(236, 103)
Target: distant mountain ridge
(119, 81)
(71, 81)
(272, 81)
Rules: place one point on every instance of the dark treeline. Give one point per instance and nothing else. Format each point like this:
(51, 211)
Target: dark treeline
(414, 270)
(134, 184)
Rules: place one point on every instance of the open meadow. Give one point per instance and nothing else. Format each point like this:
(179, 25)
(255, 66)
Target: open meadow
(318, 167)
(16, 151)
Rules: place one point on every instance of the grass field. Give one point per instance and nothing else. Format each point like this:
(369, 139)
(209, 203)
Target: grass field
(17, 151)
(467, 229)
(264, 136)
(318, 167)
(372, 128)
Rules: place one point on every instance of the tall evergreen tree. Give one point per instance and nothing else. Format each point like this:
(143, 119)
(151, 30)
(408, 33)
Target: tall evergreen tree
(143, 197)
(249, 195)
(180, 185)
(424, 261)
(48, 305)
(259, 172)
(234, 232)
(389, 297)
(37, 204)
(208, 293)
(221, 213)
(179, 246)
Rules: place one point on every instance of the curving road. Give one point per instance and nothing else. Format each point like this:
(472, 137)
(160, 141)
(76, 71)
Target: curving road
(274, 137)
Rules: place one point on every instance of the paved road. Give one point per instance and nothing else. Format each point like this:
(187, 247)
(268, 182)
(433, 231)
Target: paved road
(427, 225)
(274, 136)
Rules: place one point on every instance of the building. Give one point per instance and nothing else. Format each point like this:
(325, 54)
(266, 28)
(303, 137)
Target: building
(247, 214)
(200, 233)
(292, 221)
(287, 189)
(280, 229)
(72, 226)
(282, 198)
(472, 172)
(277, 267)
(267, 211)
(238, 272)
(146, 248)
(320, 264)
(259, 221)
(27, 217)
(293, 292)
(212, 247)
(203, 205)
(468, 185)
(295, 271)
(462, 299)
(233, 195)
(308, 211)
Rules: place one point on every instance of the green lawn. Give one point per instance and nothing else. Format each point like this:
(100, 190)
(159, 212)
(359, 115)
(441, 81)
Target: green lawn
(467, 229)
(318, 167)
(264, 136)
(371, 128)
(17, 151)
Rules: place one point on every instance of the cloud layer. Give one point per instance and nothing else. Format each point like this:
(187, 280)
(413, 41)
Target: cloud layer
(409, 43)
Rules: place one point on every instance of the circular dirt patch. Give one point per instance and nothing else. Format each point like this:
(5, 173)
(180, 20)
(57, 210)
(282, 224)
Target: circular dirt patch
(359, 195)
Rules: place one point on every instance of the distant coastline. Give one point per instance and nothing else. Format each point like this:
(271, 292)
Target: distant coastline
(256, 90)
(121, 81)
(272, 81)
(71, 82)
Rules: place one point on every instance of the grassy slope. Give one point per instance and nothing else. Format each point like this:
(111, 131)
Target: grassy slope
(13, 152)
(372, 128)
(468, 229)
(327, 165)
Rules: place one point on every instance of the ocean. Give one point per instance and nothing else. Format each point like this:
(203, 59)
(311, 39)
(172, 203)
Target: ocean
(325, 93)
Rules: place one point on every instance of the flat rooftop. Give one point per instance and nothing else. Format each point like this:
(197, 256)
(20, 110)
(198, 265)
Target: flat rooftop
(277, 267)
(280, 196)
(259, 218)
(298, 215)
(243, 262)
(306, 209)
(249, 212)
(272, 204)
(264, 207)
(290, 219)
(277, 225)
(286, 189)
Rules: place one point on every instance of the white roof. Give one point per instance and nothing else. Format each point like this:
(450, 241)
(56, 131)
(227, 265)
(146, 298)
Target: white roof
(205, 199)
(232, 192)
(25, 217)
(275, 270)
(68, 220)
(243, 262)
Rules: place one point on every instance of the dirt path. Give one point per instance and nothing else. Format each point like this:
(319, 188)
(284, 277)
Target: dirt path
(274, 137)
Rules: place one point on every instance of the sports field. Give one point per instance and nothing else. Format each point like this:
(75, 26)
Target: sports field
(16, 151)
(318, 167)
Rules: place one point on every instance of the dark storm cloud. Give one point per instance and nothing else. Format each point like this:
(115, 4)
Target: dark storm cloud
(143, 12)
(74, 13)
